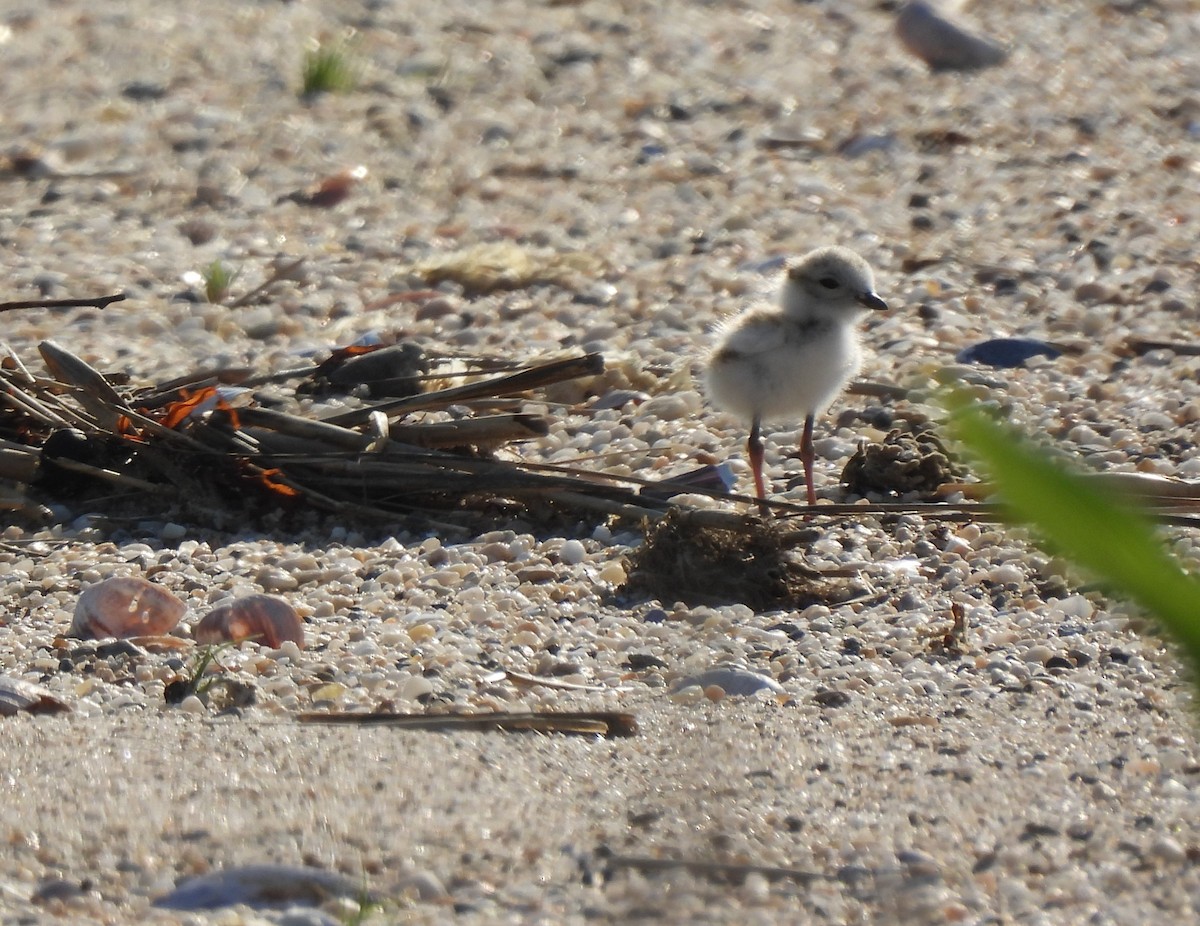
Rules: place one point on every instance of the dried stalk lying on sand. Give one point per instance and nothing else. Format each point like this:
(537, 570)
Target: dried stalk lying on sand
(99, 302)
(588, 723)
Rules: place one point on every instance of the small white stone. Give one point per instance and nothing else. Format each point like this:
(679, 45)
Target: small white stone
(1168, 850)
(671, 406)
(1006, 574)
(691, 694)
(1082, 434)
(414, 687)
(291, 650)
(572, 553)
(1038, 654)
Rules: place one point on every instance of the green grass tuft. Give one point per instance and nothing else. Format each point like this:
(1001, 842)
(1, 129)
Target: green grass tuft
(197, 680)
(329, 69)
(217, 281)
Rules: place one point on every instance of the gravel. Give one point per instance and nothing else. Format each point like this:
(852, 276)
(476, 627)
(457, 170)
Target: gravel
(1040, 767)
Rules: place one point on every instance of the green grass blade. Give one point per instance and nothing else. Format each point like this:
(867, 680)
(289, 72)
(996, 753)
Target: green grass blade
(1098, 529)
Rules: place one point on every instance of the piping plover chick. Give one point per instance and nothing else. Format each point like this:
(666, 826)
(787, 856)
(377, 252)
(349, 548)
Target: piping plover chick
(793, 359)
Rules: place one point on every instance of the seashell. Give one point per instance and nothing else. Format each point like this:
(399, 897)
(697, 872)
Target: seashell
(126, 607)
(18, 695)
(1007, 352)
(943, 44)
(263, 618)
(260, 886)
(331, 190)
(734, 682)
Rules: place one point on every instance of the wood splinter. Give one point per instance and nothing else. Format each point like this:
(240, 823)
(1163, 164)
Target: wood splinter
(602, 723)
(100, 302)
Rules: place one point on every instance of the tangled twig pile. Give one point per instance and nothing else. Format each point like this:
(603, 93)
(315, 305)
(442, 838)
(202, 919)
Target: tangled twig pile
(209, 443)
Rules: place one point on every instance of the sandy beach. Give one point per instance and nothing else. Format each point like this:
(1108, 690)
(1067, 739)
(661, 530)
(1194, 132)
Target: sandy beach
(640, 171)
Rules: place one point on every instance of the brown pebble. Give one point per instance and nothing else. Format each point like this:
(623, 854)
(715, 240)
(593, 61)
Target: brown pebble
(1093, 292)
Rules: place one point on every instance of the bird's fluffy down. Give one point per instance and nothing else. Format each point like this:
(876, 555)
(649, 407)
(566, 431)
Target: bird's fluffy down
(791, 360)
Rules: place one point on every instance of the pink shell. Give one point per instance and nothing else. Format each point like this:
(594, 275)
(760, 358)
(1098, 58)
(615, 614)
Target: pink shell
(263, 618)
(126, 607)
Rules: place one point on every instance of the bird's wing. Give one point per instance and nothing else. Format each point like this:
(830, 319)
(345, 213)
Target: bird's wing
(750, 334)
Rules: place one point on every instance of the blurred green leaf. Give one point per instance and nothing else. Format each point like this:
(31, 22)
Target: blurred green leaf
(218, 279)
(329, 69)
(1098, 529)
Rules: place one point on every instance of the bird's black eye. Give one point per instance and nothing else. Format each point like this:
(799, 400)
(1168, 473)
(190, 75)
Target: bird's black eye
(828, 282)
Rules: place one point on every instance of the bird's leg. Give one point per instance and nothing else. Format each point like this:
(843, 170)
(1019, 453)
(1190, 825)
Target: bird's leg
(754, 448)
(806, 457)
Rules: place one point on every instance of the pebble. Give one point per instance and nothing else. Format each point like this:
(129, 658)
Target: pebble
(172, 532)
(416, 687)
(572, 553)
(670, 407)
(1168, 851)
(941, 43)
(1006, 574)
(612, 573)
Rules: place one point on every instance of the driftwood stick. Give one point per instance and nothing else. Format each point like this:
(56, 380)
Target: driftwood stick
(294, 425)
(283, 271)
(19, 465)
(108, 475)
(168, 392)
(22, 401)
(1145, 345)
(521, 381)
(12, 365)
(604, 723)
(484, 430)
(99, 302)
(603, 505)
(286, 449)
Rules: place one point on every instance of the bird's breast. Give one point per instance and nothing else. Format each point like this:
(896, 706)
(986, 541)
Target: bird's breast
(797, 370)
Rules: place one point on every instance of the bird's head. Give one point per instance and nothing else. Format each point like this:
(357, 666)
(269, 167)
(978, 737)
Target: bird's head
(830, 282)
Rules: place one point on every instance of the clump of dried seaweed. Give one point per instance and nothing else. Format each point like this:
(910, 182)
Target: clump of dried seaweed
(900, 464)
(691, 557)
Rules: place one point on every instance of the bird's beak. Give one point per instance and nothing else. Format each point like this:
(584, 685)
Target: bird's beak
(872, 301)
